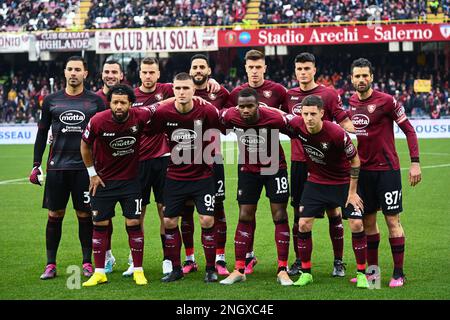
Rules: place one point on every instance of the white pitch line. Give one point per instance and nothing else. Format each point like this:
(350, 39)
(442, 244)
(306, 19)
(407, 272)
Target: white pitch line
(12, 181)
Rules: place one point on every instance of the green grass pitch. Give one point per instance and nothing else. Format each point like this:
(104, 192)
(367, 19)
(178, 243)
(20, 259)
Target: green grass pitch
(426, 220)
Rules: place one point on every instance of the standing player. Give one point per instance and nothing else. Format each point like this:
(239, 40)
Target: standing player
(67, 112)
(154, 150)
(200, 72)
(189, 174)
(270, 94)
(305, 70)
(333, 169)
(373, 114)
(264, 165)
(115, 134)
(112, 74)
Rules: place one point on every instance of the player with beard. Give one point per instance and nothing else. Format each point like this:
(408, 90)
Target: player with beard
(67, 112)
(200, 72)
(305, 70)
(263, 165)
(113, 172)
(154, 150)
(373, 114)
(112, 74)
(270, 94)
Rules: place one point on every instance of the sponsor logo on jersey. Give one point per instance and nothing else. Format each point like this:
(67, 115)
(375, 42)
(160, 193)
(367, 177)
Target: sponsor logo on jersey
(313, 152)
(267, 93)
(250, 140)
(294, 98)
(297, 109)
(137, 104)
(360, 121)
(172, 124)
(371, 108)
(183, 136)
(122, 143)
(108, 134)
(72, 117)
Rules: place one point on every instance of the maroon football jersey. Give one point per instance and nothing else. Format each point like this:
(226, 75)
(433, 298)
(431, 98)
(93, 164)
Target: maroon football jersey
(270, 93)
(373, 119)
(255, 139)
(327, 152)
(116, 144)
(102, 95)
(187, 139)
(332, 106)
(218, 99)
(157, 145)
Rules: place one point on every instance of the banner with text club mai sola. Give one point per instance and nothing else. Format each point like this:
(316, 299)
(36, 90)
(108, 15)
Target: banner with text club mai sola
(157, 40)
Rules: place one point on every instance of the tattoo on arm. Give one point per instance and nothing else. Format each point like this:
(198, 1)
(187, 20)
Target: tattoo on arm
(354, 172)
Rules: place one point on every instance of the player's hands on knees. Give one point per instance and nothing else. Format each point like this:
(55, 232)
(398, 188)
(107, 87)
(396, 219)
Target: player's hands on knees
(94, 182)
(355, 201)
(415, 174)
(36, 175)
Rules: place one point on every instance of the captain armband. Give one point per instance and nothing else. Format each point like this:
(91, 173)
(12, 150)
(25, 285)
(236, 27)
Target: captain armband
(354, 172)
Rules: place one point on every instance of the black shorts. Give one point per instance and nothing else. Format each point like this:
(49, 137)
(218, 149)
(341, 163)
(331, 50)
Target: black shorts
(250, 186)
(381, 190)
(200, 191)
(219, 178)
(60, 184)
(152, 174)
(126, 192)
(317, 198)
(299, 174)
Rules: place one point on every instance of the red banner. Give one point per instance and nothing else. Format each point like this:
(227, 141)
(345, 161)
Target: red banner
(334, 35)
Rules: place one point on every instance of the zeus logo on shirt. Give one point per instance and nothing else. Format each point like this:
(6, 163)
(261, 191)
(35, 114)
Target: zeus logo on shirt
(72, 117)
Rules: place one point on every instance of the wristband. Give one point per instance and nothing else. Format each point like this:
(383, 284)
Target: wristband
(415, 159)
(91, 171)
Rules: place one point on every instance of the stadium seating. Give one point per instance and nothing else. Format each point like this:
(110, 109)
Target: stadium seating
(168, 13)
(16, 15)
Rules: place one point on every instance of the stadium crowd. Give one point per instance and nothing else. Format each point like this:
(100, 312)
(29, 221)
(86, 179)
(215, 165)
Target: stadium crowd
(300, 11)
(173, 13)
(19, 15)
(21, 96)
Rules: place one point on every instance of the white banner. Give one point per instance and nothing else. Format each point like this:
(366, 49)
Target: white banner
(18, 134)
(428, 128)
(157, 40)
(14, 42)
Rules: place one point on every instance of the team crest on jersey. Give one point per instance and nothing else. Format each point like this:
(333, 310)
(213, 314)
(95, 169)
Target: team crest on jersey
(159, 96)
(212, 96)
(267, 93)
(134, 129)
(198, 122)
(325, 145)
(371, 108)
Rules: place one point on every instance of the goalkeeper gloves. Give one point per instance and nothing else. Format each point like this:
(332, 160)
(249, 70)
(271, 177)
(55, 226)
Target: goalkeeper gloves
(37, 176)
